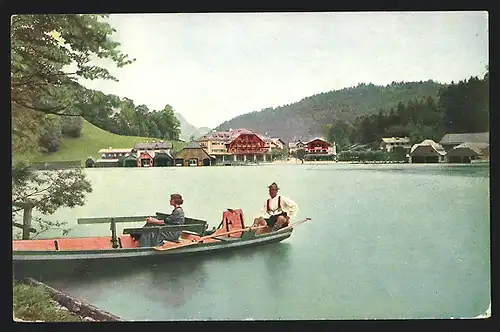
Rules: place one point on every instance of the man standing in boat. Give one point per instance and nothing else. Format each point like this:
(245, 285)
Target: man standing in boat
(278, 210)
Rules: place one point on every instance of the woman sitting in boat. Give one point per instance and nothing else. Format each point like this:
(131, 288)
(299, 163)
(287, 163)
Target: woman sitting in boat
(152, 239)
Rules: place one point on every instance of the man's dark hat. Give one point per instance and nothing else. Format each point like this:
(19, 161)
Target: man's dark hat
(274, 184)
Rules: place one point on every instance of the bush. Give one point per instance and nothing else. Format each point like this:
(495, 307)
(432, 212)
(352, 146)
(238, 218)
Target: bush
(367, 155)
(50, 138)
(71, 126)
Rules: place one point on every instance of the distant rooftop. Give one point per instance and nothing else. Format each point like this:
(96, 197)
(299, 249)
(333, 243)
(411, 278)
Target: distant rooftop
(428, 142)
(228, 135)
(153, 146)
(396, 139)
(458, 138)
(110, 150)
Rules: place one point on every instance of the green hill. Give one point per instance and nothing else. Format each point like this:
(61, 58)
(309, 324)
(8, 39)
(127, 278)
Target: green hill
(92, 140)
(307, 117)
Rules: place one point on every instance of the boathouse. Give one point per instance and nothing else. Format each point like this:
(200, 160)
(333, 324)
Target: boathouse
(89, 162)
(427, 151)
(145, 159)
(466, 152)
(130, 160)
(106, 163)
(163, 158)
(449, 141)
(485, 153)
(193, 155)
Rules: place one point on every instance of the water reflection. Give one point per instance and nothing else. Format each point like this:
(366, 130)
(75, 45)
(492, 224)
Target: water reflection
(176, 283)
(277, 263)
(470, 170)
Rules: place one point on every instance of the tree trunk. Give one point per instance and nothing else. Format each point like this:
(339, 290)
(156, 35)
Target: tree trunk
(27, 222)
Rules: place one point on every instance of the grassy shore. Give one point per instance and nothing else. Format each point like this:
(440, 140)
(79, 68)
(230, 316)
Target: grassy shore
(32, 303)
(92, 140)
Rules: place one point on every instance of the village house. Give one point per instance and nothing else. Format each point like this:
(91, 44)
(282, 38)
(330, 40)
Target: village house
(235, 145)
(427, 151)
(294, 146)
(449, 141)
(216, 144)
(277, 143)
(319, 148)
(249, 146)
(152, 146)
(111, 153)
(389, 143)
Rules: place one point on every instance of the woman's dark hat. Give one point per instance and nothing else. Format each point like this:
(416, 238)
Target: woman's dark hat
(273, 184)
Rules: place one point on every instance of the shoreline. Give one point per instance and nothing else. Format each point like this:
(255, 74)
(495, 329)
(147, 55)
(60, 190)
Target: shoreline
(329, 162)
(61, 304)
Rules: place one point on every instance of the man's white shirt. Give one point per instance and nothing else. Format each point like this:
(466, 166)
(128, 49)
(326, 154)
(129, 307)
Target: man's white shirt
(287, 205)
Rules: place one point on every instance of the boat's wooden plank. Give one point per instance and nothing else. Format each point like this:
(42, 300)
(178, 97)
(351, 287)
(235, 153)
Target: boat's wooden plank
(107, 220)
(141, 230)
(34, 245)
(226, 238)
(184, 247)
(91, 243)
(162, 216)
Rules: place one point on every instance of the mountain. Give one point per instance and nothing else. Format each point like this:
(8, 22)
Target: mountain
(188, 130)
(306, 118)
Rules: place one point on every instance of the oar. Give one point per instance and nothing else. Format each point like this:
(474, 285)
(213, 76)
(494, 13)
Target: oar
(296, 223)
(203, 238)
(227, 233)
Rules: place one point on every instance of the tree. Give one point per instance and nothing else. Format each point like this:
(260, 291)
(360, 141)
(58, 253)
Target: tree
(42, 46)
(46, 191)
(168, 124)
(300, 153)
(71, 126)
(465, 105)
(339, 132)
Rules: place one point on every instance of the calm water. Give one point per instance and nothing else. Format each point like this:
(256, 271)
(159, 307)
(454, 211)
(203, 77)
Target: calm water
(385, 241)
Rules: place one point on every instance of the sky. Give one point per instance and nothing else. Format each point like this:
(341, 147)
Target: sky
(215, 66)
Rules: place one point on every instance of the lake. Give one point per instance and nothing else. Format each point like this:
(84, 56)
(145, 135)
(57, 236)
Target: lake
(385, 242)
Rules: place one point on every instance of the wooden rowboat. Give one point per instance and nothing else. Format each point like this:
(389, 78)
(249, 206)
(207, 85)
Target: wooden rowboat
(230, 234)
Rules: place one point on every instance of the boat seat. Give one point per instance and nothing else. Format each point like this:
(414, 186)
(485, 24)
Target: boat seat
(149, 229)
(128, 241)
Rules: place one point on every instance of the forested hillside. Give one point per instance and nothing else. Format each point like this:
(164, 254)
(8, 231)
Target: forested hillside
(461, 107)
(308, 117)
